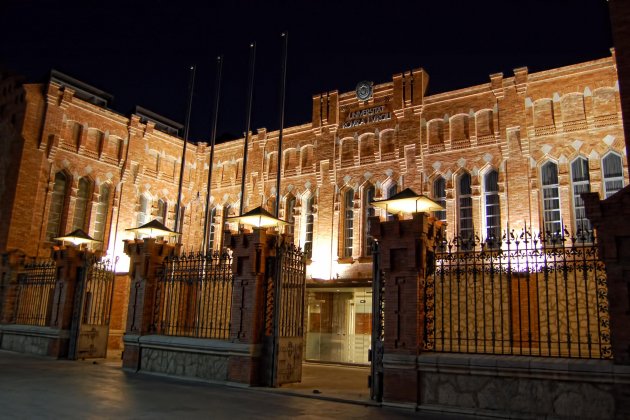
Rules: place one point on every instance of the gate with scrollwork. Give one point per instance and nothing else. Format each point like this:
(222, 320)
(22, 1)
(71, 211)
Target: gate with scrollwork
(284, 317)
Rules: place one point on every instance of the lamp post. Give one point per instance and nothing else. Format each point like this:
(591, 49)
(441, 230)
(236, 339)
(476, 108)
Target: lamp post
(407, 201)
(153, 229)
(77, 238)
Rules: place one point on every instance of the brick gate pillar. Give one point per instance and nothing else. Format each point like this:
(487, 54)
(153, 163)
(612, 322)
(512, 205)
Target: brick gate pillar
(147, 256)
(404, 247)
(247, 323)
(12, 263)
(71, 262)
(610, 218)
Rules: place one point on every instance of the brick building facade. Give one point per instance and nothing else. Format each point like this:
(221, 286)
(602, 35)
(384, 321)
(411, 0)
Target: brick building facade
(510, 153)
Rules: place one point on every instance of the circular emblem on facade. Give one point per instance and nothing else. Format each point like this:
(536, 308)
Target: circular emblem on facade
(364, 90)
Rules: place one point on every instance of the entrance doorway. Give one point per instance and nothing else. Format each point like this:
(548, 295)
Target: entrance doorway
(339, 325)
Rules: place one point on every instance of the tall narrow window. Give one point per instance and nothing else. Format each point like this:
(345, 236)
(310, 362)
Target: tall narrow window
(369, 212)
(391, 191)
(102, 210)
(288, 217)
(57, 206)
(613, 174)
(162, 211)
(348, 223)
(308, 238)
(466, 230)
(439, 195)
(213, 214)
(551, 199)
(144, 213)
(492, 206)
(581, 184)
(76, 133)
(81, 204)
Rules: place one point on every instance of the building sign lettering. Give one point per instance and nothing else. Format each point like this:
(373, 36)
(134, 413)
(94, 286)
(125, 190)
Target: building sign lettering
(367, 116)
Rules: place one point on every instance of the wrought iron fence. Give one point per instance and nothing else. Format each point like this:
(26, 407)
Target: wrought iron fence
(194, 296)
(524, 294)
(98, 298)
(35, 293)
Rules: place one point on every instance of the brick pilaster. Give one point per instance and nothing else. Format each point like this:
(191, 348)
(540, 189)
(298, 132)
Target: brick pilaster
(12, 263)
(404, 246)
(146, 258)
(247, 326)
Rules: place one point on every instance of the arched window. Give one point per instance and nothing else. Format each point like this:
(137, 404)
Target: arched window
(179, 226)
(288, 216)
(144, 213)
(551, 198)
(348, 222)
(162, 211)
(226, 224)
(581, 184)
(492, 206)
(57, 206)
(465, 219)
(613, 174)
(211, 232)
(102, 210)
(369, 212)
(271, 205)
(439, 195)
(81, 204)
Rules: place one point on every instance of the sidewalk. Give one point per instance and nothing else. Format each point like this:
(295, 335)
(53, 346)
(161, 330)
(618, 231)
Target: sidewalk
(40, 388)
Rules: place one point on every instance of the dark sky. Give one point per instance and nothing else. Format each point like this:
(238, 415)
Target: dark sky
(140, 51)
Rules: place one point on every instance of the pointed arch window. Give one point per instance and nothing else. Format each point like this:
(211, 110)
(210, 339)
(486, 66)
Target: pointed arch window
(392, 190)
(348, 223)
(81, 205)
(551, 198)
(492, 206)
(57, 206)
(162, 211)
(580, 181)
(144, 213)
(439, 195)
(465, 215)
(613, 174)
(102, 210)
(308, 238)
(289, 217)
(369, 212)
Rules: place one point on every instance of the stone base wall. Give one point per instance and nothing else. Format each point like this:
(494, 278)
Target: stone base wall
(203, 359)
(509, 386)
(29, 339)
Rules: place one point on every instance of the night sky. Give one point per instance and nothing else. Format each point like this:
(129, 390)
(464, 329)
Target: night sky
(140, 51)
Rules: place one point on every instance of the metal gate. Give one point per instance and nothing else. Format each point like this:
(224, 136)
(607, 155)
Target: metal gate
(92, 309)
(284, 319)
(378, 324)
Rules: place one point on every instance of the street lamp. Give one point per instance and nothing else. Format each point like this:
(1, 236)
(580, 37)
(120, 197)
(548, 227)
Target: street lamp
(257, 218)
(77, 238)
(153, 229)
(407, 201)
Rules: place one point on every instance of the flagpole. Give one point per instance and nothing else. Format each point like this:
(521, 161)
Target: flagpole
(283, 83)
(191, 86)
(213, 135)
(248, 116)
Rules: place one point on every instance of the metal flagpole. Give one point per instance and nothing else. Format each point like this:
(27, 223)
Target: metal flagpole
(213, 136)
(248, 117)
(191, 85)
(283, 84)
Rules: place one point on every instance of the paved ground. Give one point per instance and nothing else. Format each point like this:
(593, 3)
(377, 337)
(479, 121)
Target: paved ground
(35, 387)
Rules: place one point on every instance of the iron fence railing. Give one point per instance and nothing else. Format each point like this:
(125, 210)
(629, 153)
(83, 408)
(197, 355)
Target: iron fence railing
(35, 293)
(523, 295)
(194, 296)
